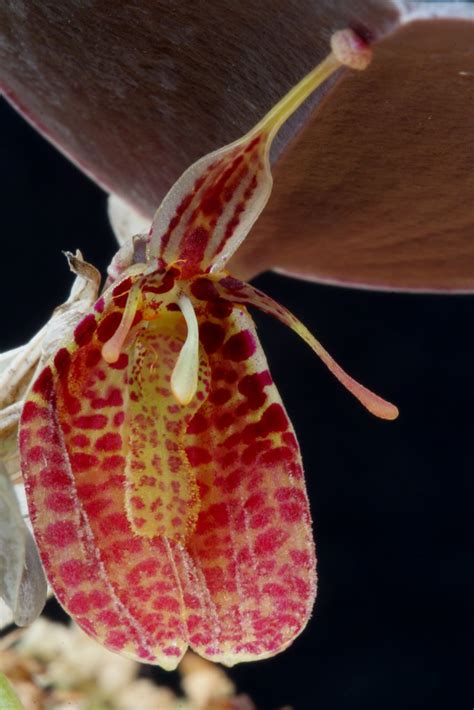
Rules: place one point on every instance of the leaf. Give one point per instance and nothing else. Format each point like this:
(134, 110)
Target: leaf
(362, 196)
(32, 591)
(22, 580)
(8, 698)
(12, 542)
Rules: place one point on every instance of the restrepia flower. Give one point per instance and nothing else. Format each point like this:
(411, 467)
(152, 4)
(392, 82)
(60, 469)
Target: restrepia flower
(163, 475)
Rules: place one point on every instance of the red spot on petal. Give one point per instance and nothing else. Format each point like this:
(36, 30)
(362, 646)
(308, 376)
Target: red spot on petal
(95, 507)
(300, 557)
(54, 478)
(72, 572)
(274, 419)
(80, 440)
(111, 463)
(249, 455)
(233, 480)
(109, 618)
(290, 440)
(276, 455)
(79, 603)
(109, 442)
(240, 346)
(36, 454)
(220, 396)
(31, 411)
(114, 399)
(212, 336)
(108, 326)
(289, 493)
(251, 386)
(198, 424)
(219, 513)
(167, 284)
(86, 490)
(85, 330)
(232, 284)
(73, 404)
(166, 603)
(204, 290)
(44, 383)
(116, 640)
(220, 309)
(92, 421)
(121, 291)
(83, 462)
(255, 501)
(172, 651)
(60, 534)
(232, 440)
(99, 599)
(224, 421)
(62, 361)
(192, 248)
(270, 541)
(93, 357)
(59, 502)
(121, 363)
(119, 418)
(46, 434)
(197, 455)
(115, 522)
(262, 518)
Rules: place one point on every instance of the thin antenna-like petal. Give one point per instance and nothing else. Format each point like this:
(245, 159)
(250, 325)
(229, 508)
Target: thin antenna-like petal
(236, 291)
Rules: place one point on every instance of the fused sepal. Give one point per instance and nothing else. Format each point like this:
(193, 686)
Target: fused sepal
(156, 521)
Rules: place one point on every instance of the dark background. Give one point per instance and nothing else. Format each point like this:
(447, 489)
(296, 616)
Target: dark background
(391, 502)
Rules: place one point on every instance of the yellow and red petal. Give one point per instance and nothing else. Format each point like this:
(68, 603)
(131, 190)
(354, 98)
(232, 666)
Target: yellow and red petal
(123, 588)
(253, 548)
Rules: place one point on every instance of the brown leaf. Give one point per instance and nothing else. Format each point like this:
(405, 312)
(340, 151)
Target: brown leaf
(377, 190)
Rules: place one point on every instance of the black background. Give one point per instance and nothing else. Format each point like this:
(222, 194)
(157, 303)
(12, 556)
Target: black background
(391, 502)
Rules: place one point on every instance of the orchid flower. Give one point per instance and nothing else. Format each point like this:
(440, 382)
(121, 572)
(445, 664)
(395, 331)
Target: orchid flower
(163, 476)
